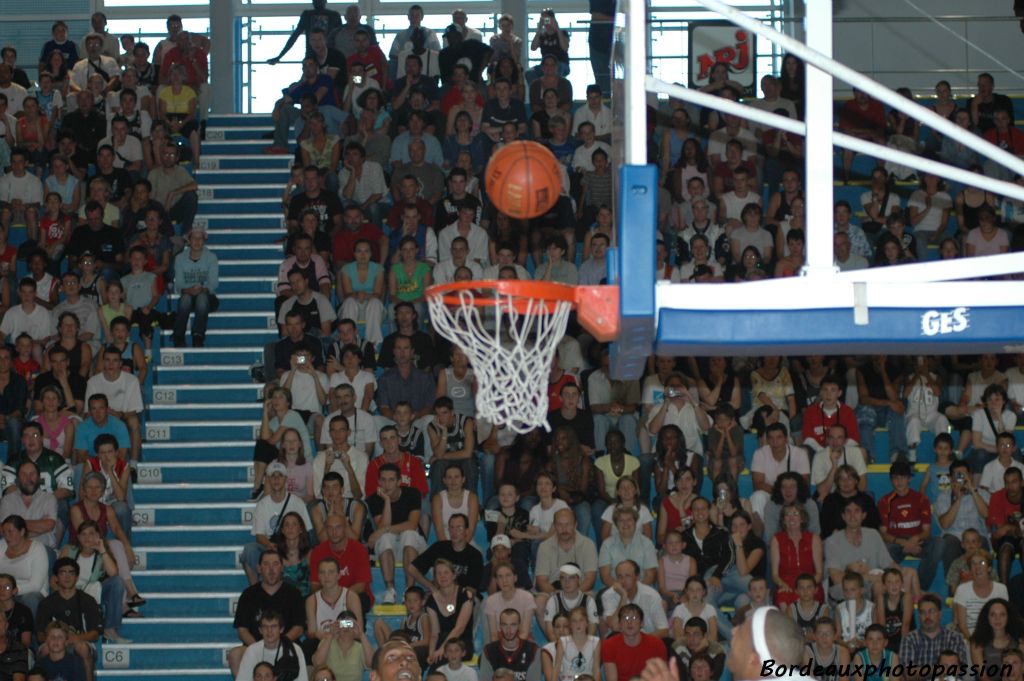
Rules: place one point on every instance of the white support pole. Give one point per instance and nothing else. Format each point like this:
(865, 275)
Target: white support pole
(862, 82)
(818, 177)
(635, 90)
(1001, 187)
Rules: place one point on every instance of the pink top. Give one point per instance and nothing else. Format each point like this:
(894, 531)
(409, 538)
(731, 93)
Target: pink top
(54, 437)
(676, 573)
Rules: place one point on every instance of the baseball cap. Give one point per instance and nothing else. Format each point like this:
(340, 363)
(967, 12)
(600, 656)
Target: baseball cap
(278, 468)
(501, 540)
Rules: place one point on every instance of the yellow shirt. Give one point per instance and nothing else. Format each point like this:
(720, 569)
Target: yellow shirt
(177, 103)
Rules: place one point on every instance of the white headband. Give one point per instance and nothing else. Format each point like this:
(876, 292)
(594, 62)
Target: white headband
(757, 632)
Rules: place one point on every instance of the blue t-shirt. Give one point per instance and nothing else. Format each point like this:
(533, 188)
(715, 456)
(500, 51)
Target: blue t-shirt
(297, 90)
(68, 668)
(87, 432)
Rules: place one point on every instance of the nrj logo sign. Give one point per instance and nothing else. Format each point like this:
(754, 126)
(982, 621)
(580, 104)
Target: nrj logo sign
(942, 322)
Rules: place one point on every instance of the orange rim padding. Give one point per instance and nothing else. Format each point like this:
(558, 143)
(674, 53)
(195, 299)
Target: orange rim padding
(597, 307)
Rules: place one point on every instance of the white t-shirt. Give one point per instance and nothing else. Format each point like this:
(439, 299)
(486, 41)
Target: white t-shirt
(602, 120)
(15, 98)
(992, 475)
(980, 424)
(795, 461)
(303, 389)
(733, 204)
(719, 138)
(852, 456)
(36, 323)
(682, 613)
(973, 603)
(363, 379)
(1015, 385)
(362, 425)
(891, 203)
(646, 518)
(266, 517)
(478, 240)
(28, 188)
(583, 156)
(256, 653)
(444, 272)
(129, 152)
(930, 222)
(123, 393)
(544, 519)
(372, 182)
(359, 460)
(685, 418)
(649, 601)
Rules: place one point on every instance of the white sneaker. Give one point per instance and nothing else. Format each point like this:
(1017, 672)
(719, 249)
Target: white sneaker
(389, 596)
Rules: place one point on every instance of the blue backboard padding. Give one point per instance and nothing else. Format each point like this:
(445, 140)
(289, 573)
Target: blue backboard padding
(832, 331)
(637, 225)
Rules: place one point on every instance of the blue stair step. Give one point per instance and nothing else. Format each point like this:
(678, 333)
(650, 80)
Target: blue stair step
(212, 162)
(241, 120)
(232, 338)
(201, 395)
(193, 373)
(210, 674)
(201, 604)
(174, 453)
(248, 235)
(174, 358)
(246, 302)
(239, 191)
(234, 284)
(176, 413)
(276, 176)
(261, 267)
(237, 221)
(217, 133)
(192, 513)
(161, 656)
(192, 492)
(177, 630)
(182, 580)
(183, 557)
(234, 147)
(209, 206)
(211, 535)
(196, 471)
(243, 320)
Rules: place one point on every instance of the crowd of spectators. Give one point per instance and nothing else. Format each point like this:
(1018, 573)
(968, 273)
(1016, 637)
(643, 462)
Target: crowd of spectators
(622, 533)
(98, 197)
(619, 535)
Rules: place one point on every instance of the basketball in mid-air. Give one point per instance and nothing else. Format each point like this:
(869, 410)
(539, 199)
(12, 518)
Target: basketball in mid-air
(523, 180)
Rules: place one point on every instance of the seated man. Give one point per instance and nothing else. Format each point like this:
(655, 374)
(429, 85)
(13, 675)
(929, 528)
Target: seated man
(123, 394)
(317, 313)
(73, 607)
(960, 509)
(510, 651)
(36, 504)
(409, 466)
(271, 593)
(313, 197)
(273, 645)
(26, 317)
(628, 544)
(925, 645)
(13, 395)
(362, 426)
(415, 163)
(572, 415)
(311, 265)
(21, 195)
(628, 589)
(405, 382)
(567, 545)
(613, 403)
(295, 338)
(466, 559)
(1004, 517)
(86, 127)
(268, 516)
(839, 451)
(861, 117)
(453, 442)
(466, 227)
(351, 555)
(362, 182)
(341, 457)
(315, 83)
(99, 421)
(396, 517)
(776, 457)
(856, 549)
(907, 523)
(444, 271)
(175, 189)
(54, 473)
(417, 130)
(826, 412)
(406, 323)
(625, 656)
(98, 240)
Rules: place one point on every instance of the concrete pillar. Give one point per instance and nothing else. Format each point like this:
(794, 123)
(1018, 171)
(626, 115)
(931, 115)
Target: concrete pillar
(222, 55)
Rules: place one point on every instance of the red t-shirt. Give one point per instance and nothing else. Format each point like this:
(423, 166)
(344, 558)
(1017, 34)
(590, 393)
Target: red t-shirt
(871, 118)
(1012, 142)
(631, 660)
(1000, 510)
(353, 564)
(413, 475)
(904, 516)
(196, 67)
(344, 245)
(816, 423)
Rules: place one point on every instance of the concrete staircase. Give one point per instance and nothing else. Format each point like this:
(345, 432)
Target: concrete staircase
(193, 511)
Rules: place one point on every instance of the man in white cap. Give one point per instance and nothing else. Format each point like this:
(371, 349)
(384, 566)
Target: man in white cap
(568, 597)
(268, 516)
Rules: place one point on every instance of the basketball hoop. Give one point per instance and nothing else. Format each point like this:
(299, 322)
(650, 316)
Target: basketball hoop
(510, 330)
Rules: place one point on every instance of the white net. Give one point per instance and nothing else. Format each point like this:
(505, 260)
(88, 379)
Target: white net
(510, 350)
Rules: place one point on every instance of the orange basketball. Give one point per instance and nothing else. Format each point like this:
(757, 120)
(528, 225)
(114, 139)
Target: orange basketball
(523, 180)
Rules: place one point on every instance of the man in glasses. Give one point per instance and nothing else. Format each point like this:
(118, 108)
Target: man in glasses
(624, 656)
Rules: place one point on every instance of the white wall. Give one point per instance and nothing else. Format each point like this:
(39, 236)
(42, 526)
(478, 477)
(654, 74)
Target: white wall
(890, 41)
